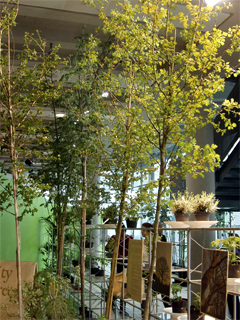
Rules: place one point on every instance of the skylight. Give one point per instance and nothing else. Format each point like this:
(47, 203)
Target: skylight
(211, 2)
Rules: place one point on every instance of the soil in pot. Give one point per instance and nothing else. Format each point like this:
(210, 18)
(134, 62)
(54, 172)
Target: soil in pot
(201, 216)
(179, 306)
(179, 216)
(234, 271)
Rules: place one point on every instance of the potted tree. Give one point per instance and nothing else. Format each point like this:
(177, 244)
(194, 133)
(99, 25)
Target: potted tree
(179, 304)
(232, 243)
(181, 205)
(204, 204)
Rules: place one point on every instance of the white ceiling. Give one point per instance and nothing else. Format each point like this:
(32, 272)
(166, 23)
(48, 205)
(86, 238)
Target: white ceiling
(60, 21)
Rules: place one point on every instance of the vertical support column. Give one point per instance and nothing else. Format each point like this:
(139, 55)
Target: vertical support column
(203, 136)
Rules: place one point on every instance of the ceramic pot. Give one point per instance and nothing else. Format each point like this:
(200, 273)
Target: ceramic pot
(88, 244)
(94, 270)
(100, 273)
(179, 306)
(132, 224)
(201, 216)
(179, 216)
(234, 271)
(76, 287)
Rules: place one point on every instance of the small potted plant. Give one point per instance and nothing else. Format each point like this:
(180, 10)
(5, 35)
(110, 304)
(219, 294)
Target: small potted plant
(204, 204)
(90, 213)
(110, 214)
(195, 313)
(109, 247)
(131, 221)
(77, 285)
(101, 271)
(179, 304)
(231, 243)
(181, 205)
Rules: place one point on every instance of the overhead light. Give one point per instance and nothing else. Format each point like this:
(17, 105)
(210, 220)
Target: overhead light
(211, 3)
(105, 94)
(60, 115)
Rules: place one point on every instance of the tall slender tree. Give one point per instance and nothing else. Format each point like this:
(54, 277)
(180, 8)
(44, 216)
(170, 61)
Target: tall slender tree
(125, 153)
(177, 72)
(22, 95)
(73, 156)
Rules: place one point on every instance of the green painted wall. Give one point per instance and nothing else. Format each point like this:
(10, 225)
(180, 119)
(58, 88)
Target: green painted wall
(32, 236)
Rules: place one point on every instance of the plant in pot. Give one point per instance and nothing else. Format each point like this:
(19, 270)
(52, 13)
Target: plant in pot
(179, 304)
(232, 244)
(132, 219)
(89, 239)
(102, 263)
(109, 247)
(77, 284)
(110, 214)
(69, 239)
(181, 205)
(204, 204)
(195, 313)
(90, 213)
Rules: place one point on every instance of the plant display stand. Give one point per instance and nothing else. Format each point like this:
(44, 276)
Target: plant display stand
(173, 315)
(96, 288)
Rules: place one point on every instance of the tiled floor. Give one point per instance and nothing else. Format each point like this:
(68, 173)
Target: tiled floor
(95, 298)
(96, 290)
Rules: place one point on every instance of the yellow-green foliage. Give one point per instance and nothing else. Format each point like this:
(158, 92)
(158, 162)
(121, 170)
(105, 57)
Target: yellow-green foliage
(232, 243)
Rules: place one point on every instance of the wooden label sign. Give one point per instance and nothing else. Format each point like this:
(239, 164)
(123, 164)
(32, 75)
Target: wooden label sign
(134, 270)
(8, 278)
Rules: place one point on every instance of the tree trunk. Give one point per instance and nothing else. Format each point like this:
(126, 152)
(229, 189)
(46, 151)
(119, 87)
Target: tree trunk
(124, 190)
(155, 237)
(60, 243)
(15, 186)
(113, 268)
(82, 237)
(18, 240)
